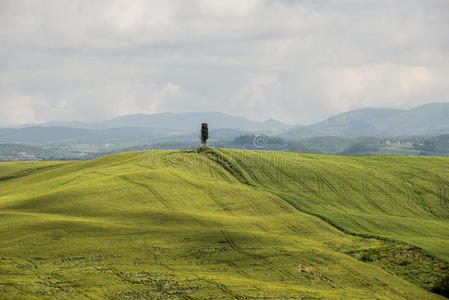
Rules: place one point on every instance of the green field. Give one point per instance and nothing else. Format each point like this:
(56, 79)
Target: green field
(225, 224)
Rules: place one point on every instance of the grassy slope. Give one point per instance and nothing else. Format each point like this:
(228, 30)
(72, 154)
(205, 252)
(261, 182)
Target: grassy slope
(177, 224)
(398, 197)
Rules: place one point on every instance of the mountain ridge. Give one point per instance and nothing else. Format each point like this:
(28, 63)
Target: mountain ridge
(427, 119)
(174, 121)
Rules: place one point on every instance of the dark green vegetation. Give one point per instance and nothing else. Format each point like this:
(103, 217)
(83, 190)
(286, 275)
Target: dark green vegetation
(225, 224)
(411, 263)
(24, 152)
(432, 146)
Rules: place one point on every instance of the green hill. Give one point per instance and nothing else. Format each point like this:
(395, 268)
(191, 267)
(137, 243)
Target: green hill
(225, 224)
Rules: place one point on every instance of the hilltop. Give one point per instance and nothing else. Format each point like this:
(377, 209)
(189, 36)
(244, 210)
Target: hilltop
(225, 224)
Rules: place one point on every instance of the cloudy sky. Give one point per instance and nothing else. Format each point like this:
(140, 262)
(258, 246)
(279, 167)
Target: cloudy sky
(295, 61)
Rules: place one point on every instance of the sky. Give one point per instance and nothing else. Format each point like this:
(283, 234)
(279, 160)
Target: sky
(295, 61)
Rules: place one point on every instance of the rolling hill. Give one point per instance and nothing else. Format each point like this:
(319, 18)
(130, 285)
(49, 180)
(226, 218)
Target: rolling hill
(225, 224)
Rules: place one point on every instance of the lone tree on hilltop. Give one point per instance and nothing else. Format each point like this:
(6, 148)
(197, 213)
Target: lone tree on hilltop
(204, 134)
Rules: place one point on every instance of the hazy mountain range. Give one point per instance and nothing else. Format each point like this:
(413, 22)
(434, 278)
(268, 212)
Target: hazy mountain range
(428, 119)
(173, 121)
(166, 127)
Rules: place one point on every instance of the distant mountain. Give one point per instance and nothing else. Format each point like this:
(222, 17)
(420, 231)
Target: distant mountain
(372, 116)
(172, 121)
(428, 119)
(149, 128)
(225, 133)
(37, 134)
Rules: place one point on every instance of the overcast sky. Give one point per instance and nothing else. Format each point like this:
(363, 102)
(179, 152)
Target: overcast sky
(295, 61)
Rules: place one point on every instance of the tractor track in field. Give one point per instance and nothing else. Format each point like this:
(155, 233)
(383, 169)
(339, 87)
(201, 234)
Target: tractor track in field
(383, 191)
(317, 194)
(237, 268)
(29, 171)
(268, 174)
(259, 258)
(441, 179)
(247, 170)
(151, 190)
(434, 193)
(311, 190)
(222, 175)
(441, 184)
(415, 199)
(218, 202)
(220, 159)
(420, 201)
(441, 197)
(186, 199)
(370, 174)
(342, 197)
(228, 239)
(300, 261)
(208, 193)
(232, 244)
(282, 206)
(223, 288)
(370, 201)
(292, 228)
(253, 206)
(256, 237)
(333, 189)
(269, 264)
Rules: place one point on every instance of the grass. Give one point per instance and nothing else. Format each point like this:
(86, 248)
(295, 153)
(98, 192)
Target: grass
(395, 197)
(226, 224)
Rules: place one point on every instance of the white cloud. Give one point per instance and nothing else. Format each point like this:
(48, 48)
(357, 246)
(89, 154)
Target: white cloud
(18, 109)
(381, 85)
(258, 97)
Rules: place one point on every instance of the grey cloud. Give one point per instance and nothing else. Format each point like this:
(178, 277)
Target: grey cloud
(297, 61)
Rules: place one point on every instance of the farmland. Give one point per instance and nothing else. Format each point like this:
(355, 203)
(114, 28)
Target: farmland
(229, 224)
